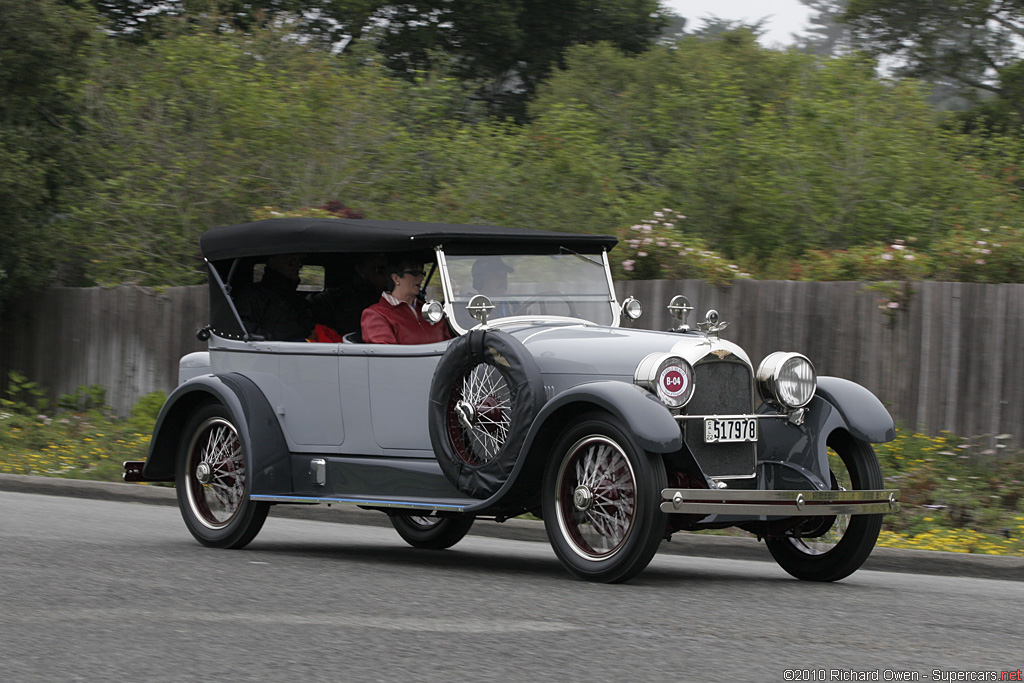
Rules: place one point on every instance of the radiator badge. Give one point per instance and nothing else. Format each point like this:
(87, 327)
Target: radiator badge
(722, 353)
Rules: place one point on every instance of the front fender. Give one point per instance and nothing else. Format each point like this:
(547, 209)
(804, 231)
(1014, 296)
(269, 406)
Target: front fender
(791, 456)
(865, 416)
(258, 428)
(645, 416)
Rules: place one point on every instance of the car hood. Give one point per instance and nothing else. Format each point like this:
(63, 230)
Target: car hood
(580, 349)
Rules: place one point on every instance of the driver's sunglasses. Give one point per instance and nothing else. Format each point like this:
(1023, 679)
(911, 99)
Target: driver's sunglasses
(414, 273)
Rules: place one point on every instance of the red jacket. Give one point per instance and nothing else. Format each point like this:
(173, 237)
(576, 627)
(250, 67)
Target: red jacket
(390, 321)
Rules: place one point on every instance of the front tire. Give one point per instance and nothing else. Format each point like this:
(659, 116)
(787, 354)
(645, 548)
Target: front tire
(601, 501)
(213, 482)
(832, 548)
(429, 531)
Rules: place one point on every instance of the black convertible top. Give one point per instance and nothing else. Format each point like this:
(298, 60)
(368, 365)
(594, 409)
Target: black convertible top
(319, 235)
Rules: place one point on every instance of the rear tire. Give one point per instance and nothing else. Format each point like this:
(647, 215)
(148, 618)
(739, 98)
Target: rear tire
(431, 532)
(601, 501)
(213, 482)
(832, 548)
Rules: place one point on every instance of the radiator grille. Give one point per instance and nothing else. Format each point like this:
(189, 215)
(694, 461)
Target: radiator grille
(721, 388)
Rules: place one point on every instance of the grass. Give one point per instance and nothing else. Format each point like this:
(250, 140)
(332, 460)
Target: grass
(957, 495)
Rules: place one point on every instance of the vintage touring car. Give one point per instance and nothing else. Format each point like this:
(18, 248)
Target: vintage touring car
(539, 403)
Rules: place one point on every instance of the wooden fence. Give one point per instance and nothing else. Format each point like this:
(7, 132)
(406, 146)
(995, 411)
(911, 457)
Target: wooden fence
(950, 357)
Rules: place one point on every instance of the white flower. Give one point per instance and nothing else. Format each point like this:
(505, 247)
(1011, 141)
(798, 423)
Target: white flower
(887, 256)
(669, 225)
(985, 251)
(980, 261)
(908, 257)
(659, 214)
(892, 304)
(899, 245)
(628, 265)
(981, 243)
(641, 253)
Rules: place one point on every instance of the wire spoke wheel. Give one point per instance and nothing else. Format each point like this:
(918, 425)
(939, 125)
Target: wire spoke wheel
(479, 414)
(601, 500)
(430, 531)
(596, 502)
(832, 548)
(216, 473)
(212, 479)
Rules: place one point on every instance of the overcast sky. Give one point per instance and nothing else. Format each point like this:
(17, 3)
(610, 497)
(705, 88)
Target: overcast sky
(786, 16)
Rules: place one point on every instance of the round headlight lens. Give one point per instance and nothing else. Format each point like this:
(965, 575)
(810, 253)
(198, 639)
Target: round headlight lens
(632, 308)
(786, 380)
(433, 311)
(669, 377)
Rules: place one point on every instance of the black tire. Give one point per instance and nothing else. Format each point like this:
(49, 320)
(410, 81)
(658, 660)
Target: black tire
(213, 483)
(832, 548)
(484, 396)
(601, 501)
(424, 530)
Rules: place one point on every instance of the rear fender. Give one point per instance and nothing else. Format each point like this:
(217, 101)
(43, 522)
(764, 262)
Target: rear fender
(258, 428)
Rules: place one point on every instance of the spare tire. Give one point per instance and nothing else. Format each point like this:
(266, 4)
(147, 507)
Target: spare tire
(484, 396)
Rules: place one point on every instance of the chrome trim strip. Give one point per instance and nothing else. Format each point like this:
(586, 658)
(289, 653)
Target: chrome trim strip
(780, 503)
(314, 500)
(616, 313)
(732, 417)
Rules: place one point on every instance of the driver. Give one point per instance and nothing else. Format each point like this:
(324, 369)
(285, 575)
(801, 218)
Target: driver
(396, 319)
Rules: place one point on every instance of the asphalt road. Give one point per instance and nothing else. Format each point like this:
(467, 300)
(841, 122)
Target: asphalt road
(101, 590)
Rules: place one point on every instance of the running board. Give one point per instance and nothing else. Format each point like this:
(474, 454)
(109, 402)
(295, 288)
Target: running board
(433, 505)
(780, 503)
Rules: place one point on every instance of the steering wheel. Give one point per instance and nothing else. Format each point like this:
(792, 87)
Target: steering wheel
(541, 300)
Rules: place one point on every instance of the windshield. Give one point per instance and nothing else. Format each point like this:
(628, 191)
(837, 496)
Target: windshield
(566, 285)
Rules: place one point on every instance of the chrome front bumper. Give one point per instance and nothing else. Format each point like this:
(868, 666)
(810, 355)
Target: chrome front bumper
(779, 503)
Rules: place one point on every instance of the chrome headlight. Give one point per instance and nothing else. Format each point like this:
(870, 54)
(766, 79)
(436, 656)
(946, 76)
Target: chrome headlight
(433, 311)
(669, 377)
(786, 380)
(632, 308)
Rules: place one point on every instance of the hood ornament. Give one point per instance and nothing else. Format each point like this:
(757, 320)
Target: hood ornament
(712, 326)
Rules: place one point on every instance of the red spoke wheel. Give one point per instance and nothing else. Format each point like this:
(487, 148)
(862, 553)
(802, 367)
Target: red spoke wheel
(213, 485)
(601, 500)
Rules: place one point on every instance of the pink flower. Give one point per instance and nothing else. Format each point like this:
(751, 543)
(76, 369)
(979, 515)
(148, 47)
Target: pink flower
(980, 261)
(892, 304)
(628, 265)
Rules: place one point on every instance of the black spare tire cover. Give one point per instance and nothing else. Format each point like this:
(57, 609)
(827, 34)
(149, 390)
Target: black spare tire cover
(484, 396)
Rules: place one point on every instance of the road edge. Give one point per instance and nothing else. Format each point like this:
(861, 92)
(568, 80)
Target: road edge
(931, 562)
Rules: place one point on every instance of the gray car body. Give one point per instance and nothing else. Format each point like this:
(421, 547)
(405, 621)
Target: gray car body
(362, 409)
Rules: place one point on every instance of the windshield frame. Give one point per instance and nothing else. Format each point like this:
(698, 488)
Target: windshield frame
(449, 304)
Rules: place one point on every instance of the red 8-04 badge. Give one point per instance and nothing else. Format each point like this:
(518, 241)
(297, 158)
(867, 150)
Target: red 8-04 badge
(674, 381)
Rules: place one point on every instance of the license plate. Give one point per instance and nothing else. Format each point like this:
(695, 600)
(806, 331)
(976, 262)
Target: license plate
(730, 429)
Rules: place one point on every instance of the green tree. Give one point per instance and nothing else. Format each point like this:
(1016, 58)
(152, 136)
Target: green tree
(973, 45)
(45, 51)
(826, 35)
(504, 47)
(778, 152)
